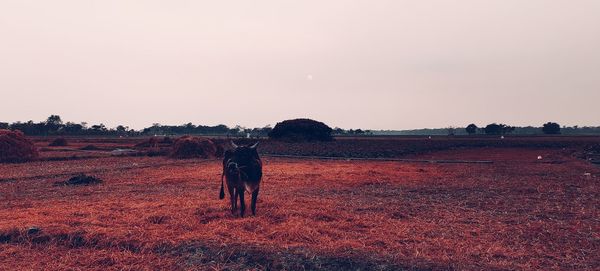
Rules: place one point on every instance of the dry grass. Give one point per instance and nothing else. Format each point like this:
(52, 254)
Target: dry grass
(59, 142)
(155, 213)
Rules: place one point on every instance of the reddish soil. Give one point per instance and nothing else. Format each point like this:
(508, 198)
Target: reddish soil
(519, 212)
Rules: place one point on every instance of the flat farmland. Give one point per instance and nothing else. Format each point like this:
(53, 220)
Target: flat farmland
(517, 212)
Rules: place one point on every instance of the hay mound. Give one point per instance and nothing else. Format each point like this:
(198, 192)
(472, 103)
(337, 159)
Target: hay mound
(80, 179)
(300, 130)
(193, 147)
(61, 141)
(15, 147)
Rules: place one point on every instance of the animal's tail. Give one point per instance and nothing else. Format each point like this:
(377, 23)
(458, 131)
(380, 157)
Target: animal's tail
(222, 194)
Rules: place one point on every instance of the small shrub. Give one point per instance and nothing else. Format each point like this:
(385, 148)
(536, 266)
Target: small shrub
(80, 179)
(158, 219)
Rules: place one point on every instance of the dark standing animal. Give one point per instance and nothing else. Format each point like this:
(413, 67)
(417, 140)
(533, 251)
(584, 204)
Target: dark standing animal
(242, 169)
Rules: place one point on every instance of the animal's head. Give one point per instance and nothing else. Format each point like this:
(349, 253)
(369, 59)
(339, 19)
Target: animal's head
(244, 153)
(241, 156)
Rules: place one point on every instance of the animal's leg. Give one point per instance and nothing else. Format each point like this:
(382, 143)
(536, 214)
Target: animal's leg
(242, 203)
(222, 192)
(235, 196)
(253, 204)
(232, 197)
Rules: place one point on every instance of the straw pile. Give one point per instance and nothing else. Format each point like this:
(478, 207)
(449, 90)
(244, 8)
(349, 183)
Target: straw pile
(15, 147)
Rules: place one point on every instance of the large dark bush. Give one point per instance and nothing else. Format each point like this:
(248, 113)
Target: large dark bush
(493, 129)
(298, 130)
(498, 129)
(551, 128)
(471, 129)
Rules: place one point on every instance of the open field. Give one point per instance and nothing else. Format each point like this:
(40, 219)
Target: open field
(152, 213)
(372, 147)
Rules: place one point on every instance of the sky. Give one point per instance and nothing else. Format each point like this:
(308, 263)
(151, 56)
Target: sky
(372, 64)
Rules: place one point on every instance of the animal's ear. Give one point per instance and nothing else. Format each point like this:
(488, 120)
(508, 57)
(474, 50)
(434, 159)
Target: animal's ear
(233, 144)
(254, 146)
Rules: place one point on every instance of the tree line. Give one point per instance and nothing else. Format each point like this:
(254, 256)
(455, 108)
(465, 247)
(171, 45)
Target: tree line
(498, 129)
(54, 125)
(549, 128)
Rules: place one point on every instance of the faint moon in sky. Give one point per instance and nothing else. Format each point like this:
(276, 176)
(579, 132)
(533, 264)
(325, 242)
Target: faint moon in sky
(309, 77)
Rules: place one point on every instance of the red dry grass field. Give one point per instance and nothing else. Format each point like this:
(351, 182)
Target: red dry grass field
(157, 213)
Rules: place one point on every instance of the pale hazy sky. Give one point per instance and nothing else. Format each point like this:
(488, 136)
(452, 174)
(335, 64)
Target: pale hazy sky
(354, 64)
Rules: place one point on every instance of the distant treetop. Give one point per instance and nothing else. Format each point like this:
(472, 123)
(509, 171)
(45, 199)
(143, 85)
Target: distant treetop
(471, 129)
(551, 128)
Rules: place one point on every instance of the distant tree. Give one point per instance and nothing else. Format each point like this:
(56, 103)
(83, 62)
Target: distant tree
(99, 128)
(266, 130)
(189, 127)
(551, 128)
(451, 130)
(237, 130)
(4, 125)
(247, 132)
(498, 129)
(507, 129)
(54, 119)
(338, 131)
(73, 128)
(122, 130)
(30, 128)
(53, 124)
(493, 129)
(471, 129)
(223, 129)
(155, 129)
